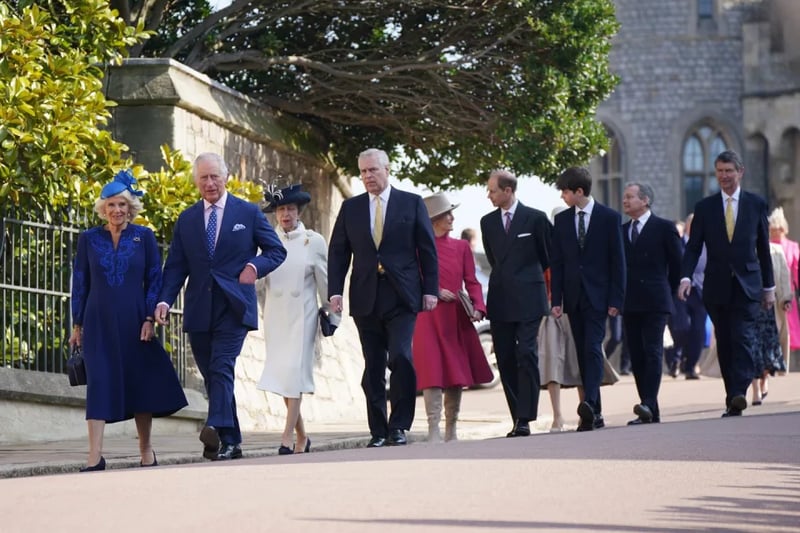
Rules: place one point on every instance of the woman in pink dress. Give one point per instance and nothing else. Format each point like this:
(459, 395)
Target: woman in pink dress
(790, 325)
(447, 352)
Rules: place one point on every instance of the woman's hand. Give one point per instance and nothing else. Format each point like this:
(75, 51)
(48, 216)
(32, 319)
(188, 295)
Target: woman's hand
(477, 316)
(446, 296)
(148, 330)
(75, 337)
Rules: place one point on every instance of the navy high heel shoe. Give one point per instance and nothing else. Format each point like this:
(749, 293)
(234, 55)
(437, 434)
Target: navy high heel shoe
(101, 465)
(154, 463)
(285, 450)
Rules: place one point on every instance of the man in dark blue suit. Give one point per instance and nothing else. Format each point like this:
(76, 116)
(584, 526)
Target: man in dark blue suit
(387, 235)
(216, 245)
(732, 224)
(516, 239)
(588, 280)
(653, 260)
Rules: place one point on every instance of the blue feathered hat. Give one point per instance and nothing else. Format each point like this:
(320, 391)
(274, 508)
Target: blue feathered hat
(293, 194)
(123, 181)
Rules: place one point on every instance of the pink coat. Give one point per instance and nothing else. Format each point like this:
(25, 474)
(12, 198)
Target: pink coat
(446, 349)
(791, 250)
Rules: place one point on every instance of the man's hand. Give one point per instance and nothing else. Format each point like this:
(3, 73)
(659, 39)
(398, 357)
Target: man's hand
(684, 289)
(556, 311)
(429, 302)
(248, 275)
(336, 304)
(613, 311)
(768, 299)
(162, 314)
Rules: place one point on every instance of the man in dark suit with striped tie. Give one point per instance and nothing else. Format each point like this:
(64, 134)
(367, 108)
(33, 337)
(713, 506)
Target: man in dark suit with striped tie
(588, 280)
(733, 226)
(653, 259)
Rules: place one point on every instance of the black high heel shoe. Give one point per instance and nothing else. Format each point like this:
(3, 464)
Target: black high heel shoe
(285, 450)
(308, 446)
(154, 463)
(101, 465)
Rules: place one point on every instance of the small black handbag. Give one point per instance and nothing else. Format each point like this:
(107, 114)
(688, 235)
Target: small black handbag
(325, 325)
(76, 368)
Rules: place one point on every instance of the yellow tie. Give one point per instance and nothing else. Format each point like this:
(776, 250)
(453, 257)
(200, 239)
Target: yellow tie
(377, 232)
(729, 222)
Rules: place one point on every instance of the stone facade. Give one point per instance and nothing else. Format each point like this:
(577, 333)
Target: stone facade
(732, 70)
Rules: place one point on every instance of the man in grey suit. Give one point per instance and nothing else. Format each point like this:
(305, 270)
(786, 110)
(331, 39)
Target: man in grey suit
(516, 239)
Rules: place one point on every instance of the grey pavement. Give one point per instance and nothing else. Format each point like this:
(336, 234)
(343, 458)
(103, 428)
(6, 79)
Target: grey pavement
(483, 416)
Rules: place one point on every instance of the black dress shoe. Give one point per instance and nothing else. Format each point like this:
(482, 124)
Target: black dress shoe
(692, 375)
(644, 413)
(101, 465)
(210, 439)
(521, 429)
(739, 403)
(376, 442)
(397, 437)
(732, 412)
(598, 422)
(586, 413)
(637, 422)
(229, 451)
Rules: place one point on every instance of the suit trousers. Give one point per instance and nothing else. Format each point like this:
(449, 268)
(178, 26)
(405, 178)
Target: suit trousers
(516, 349)
(735, 332)
(386, 340)
(588, 329)
(215, 352)
(644, 333)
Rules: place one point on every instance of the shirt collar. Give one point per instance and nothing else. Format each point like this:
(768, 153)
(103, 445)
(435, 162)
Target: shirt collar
(383, 195)
(735, 195)
(219, 203)
(644, 218)
(587, 209)
(511, 209)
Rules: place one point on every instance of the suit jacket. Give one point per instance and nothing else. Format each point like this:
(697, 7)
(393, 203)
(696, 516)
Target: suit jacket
(653, 266)
(407, 252)
(598, 269)
(517, 290)
(746, 257)
(244, 230)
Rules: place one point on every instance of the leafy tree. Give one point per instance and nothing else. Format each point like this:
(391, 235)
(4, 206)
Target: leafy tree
(454, 87)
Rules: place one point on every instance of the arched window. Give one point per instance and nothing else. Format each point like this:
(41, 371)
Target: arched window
(607, 173)
(700, 149)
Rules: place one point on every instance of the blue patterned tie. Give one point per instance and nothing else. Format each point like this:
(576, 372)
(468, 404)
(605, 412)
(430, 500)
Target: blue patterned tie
(211, 230)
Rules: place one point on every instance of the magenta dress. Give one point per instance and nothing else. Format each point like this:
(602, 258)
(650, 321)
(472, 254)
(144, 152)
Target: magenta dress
(791, 250)
(446, 349)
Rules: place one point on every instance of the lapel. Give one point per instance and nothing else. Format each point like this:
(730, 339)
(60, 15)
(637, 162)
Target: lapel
(196, 223)
(507, 239)
(361, 207)
(718, 216)
(228, 220)
(569, 233)
(743, 202)
(626, 233)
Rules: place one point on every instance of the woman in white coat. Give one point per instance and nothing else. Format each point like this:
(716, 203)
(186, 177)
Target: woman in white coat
(291, 324)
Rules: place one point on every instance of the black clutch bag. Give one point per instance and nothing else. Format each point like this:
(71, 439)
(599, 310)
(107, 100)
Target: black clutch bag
(76, 368)
(325, 325)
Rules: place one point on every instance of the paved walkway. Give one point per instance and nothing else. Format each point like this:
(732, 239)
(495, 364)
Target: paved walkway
(484, 415)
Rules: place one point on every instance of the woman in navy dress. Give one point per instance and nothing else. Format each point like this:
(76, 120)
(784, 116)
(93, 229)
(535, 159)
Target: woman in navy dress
(116, 279)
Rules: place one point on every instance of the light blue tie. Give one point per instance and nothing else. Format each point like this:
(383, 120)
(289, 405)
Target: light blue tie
(211, 230)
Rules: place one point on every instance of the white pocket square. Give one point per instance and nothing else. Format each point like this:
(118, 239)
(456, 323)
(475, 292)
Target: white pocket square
(523, 235)
(239, 227)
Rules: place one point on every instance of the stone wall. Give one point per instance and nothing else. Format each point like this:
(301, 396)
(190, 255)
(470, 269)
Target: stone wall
(161, 101)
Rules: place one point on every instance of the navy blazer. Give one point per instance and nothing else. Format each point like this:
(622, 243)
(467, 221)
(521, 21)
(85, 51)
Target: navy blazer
(244, 230)
(517, 290)
(653, 266)
(747, 256)
(407, 252)
(598, 269)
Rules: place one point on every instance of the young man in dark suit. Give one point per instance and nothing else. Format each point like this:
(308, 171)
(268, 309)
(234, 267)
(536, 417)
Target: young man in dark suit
(653, 260)
(516, 240)
(387, 235)
(222, 244)
(733, 226)
(588, 280)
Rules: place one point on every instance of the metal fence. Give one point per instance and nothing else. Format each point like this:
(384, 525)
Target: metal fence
(35, 302)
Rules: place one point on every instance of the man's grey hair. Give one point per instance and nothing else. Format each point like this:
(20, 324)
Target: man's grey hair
(645, 192)
(383, 158)
(216, 158)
